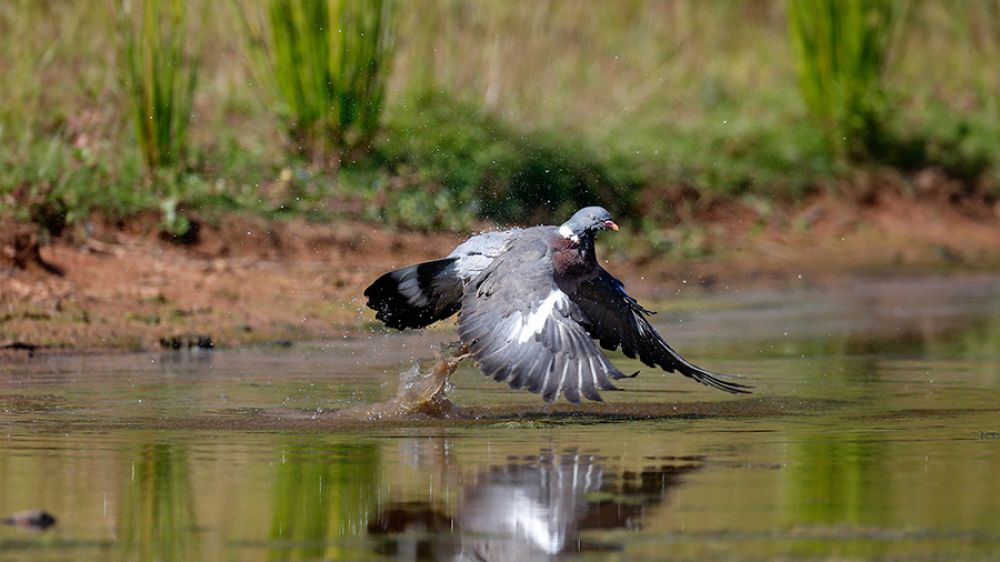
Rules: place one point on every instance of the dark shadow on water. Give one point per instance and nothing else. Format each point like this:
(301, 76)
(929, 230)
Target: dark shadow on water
(532, 509)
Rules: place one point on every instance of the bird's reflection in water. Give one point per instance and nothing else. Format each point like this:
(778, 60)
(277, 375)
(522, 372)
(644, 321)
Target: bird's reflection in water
(530, 509)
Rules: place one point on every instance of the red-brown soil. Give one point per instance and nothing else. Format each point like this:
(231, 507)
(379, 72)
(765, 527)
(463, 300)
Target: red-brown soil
(246, 280)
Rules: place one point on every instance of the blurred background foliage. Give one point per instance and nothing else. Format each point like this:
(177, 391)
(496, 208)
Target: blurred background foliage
(439, 113)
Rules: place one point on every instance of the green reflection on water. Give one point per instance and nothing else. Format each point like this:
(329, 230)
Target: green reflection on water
(322, 494)
(836, 480)
(979, 341)
(159, 511)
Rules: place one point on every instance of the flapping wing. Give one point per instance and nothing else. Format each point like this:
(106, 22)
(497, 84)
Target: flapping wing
(523, 329)
(617, 320)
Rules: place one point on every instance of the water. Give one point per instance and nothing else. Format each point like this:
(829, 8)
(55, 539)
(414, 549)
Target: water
(874, 433)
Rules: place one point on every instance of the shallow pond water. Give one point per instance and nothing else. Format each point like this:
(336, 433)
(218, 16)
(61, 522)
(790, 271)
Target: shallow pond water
(874, 432)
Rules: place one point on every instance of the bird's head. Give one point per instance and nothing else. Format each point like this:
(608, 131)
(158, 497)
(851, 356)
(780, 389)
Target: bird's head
(586, 222)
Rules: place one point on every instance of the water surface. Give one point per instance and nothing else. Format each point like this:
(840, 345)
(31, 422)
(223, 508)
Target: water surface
(874, 432)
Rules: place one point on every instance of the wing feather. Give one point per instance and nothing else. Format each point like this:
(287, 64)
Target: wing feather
(617, 320)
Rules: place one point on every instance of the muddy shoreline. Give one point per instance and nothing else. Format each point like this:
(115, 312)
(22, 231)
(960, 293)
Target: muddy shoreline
(245, 281)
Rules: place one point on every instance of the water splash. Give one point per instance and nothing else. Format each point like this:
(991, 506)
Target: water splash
(421, 392)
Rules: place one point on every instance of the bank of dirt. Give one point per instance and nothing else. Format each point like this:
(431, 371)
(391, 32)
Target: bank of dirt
(243, 280)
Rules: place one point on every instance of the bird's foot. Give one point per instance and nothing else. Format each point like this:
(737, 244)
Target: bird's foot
(426, 392)
(421, 391)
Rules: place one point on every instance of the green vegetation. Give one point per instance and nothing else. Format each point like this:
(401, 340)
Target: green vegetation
(841, 49)
(328, 61)
(160, 79)
(459, 159)
(499, 110)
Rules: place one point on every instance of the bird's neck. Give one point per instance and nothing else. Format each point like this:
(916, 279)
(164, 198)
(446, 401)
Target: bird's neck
(566, 232)
(575, 260)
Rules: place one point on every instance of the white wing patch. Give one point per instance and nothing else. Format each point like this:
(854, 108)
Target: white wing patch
(535, 322)
(409, 287)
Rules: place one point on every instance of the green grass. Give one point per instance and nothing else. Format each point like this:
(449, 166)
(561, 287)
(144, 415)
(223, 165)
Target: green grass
(479, 163)
(510, 111)
(328, 61)
(842, 47)
(160, 76)
(52, 183)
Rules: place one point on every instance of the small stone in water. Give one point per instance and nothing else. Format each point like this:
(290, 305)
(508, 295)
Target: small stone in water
(33, 518)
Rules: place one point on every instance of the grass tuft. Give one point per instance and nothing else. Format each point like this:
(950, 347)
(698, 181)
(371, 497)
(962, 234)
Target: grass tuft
(160, 74)
(841, 49)
(328, 62)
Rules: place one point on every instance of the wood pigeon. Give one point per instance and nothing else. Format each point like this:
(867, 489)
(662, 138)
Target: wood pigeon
(532, 302)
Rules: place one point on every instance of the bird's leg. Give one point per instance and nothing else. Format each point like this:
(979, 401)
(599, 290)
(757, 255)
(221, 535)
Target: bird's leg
(429, 394)
(419, 390)
(450, 355)
(457, 350)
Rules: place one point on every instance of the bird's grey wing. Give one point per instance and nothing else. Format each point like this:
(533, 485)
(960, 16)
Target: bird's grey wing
(477, 253)
(522, 328)
(614, 318)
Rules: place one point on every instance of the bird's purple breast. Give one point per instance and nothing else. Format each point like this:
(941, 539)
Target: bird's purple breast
(572, 262)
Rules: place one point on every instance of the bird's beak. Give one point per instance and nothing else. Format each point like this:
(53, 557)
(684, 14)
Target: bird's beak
(610, 225)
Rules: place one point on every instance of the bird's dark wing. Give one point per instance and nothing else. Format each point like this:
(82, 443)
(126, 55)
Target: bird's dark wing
(522, 328)
(417, 295)
(617, 320)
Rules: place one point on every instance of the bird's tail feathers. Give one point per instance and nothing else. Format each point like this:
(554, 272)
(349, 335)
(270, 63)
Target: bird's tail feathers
(417, 295)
